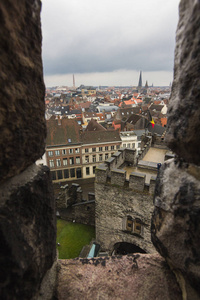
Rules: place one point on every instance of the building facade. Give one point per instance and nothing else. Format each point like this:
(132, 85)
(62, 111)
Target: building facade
(72, 154)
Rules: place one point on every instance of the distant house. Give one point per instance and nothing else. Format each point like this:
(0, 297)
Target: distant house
(122, 116)
(88, 116)
(159, 108)
(98, 144)
(63, 149)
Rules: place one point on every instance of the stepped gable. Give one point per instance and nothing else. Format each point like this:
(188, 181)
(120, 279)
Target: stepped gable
(62, 131)
(93, 125)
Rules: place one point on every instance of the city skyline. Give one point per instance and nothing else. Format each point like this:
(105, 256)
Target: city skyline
(108, 43)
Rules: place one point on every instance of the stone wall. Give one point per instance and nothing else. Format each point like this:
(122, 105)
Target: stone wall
(22, 108)
(117, 199)
(113, 205)
(175, 221)
(27, 208)
(72, 207)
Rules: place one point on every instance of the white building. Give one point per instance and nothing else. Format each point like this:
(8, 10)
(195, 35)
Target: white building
(130, 140)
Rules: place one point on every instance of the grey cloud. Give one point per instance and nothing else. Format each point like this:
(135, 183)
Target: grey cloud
(111, 42)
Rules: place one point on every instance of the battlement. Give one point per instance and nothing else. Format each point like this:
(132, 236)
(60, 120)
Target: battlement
(110, 171)
(136, 181)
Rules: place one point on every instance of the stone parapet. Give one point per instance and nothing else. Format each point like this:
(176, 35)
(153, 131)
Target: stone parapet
(137, 181)
(28, 232)
(118, 177)
(22, 90)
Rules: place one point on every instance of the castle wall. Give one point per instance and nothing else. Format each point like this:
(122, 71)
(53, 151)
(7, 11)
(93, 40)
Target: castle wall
(113, 205)
(118, 200)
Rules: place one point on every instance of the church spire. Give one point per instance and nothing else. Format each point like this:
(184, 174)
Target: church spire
(140, 80)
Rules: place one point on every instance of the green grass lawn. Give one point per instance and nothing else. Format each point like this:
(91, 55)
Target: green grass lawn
(72, 237)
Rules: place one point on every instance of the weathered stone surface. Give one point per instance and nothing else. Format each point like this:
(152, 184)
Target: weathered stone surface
(184, 109)
(22, 123)
(27, 233)
(113, 205)
(138, 276)
(176, 223)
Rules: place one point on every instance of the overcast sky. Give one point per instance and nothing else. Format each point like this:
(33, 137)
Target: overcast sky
(107, 42)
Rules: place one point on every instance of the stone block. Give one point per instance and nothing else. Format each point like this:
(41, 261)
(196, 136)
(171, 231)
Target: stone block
(152, 185)
(118, 177)
(137, 181)
(22, 122)
(184, 109)
(101, 173)
(27, 232)
(136, 276)
(176, 223)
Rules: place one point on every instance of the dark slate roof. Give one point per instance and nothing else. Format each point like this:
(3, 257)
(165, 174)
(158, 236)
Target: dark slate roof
(93, 125)
(65, 133)
(92, 137)
(133, 119)
(157, 129)
(124, 113)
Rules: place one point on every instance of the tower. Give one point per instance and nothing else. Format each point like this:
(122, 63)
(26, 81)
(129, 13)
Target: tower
(73, 81)
(140, 82)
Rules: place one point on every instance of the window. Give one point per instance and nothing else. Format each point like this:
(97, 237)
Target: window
(139, 145)
(87, 159)
(53, 175)
(100, 157)
(59, 174)
(87, 171)
(72, 172)
(124, 145)
(86, 150)
(64, 161)
(57, 152)
(58, 162)
(100, 149)
(133, 145)
(106, 148)
(78, 160)
(133, 226)
(129, 224)
(129, 146)
(64, 151)
(51, 163)
(137, 226)
(78, 173)
(77, 150)
(118, 146)
(93, 149)
(71, 161)
(94, 158)
(50, 153)
(106, 156)
(66, 173)
(94, 169)
(112, 147)
(70, 151)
